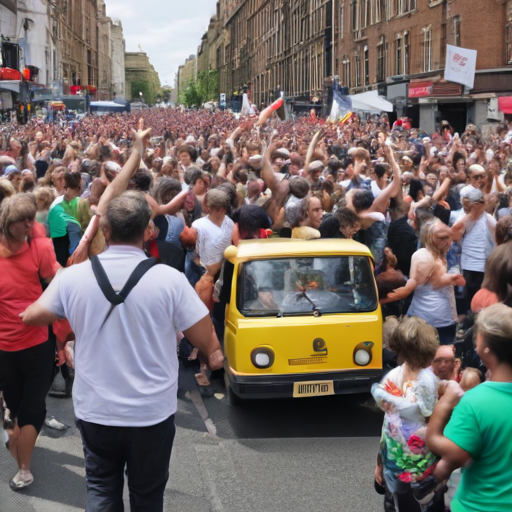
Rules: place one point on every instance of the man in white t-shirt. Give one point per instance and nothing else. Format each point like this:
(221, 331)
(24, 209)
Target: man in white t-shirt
(126, 377)
(214, 231)
(475, 230)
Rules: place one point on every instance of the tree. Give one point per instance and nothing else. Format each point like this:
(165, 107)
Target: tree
(191, 97)
(147, 90)
(208, 85)
(166, 93)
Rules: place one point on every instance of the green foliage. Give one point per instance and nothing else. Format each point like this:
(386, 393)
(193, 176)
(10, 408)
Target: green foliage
(166, 93)
(191, 97)
(146, 88)
(208, 85)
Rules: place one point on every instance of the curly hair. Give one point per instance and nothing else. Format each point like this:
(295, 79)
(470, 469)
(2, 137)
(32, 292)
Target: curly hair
(415, 342)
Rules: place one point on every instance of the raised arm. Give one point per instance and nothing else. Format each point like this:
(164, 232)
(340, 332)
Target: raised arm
(380, 203)
(311, 149)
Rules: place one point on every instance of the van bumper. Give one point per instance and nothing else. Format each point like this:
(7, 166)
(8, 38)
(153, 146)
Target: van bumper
(281, 386)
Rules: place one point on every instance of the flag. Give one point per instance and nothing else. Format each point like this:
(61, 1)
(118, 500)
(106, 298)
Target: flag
(460, 65)
(341, 104)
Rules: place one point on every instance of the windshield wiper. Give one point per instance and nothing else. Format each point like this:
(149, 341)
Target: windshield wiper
(303, 294)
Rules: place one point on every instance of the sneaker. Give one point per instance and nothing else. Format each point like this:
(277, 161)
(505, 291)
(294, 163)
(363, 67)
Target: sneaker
(21, 480)
(55, 424)
(424, 490)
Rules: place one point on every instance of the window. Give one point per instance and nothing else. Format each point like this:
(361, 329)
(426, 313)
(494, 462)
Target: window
(346, 71)
(406, 53)
(342, 284)
(342, 21)
(366, 65)
(357, 70)
(427, 49)
(456, 31)
(398, 64)
(354, 14)
(381, 63)
(508, 45)
(376, 11)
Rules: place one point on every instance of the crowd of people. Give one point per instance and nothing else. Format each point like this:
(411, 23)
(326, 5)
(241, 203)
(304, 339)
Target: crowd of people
(434, 210)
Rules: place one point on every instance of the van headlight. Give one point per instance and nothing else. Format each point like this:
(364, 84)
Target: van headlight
(262, 357)
(363, 353)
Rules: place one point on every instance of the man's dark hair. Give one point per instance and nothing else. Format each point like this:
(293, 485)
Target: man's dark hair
(380, 170)
(185, 148)
(142, 180)
(166, 189)
(105, 153)
(73, 180)
(416, 159)
(127, 216)
(192, 174)
(415, 187)
(299, 187)
(362, 200)
(345, 161)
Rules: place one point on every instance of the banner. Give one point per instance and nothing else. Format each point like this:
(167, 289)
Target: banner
(460, 65)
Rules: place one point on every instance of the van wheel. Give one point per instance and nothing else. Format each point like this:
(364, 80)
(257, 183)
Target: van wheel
(233, 399)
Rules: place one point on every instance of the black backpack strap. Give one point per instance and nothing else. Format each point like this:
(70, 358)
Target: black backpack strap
(118, 298)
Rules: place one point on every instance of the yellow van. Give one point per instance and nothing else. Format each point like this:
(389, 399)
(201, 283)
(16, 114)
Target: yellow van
(303, 319)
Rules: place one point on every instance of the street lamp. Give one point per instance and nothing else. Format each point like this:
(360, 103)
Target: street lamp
(141, 97)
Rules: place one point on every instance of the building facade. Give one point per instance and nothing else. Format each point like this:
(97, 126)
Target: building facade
(302, 47)
(118, 49)
(187, 73)
(69, 46)
(105, 89)
(399, 47)
(140, 74)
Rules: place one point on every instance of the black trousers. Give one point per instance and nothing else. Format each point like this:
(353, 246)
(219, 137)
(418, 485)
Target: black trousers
(146, 452)
(25, 378)
(473, 284)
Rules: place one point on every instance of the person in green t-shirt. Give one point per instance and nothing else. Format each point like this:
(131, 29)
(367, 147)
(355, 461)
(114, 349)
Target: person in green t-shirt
(65, 230)
(480, 426)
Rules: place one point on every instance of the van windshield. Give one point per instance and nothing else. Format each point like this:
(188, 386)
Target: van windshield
(295, 286)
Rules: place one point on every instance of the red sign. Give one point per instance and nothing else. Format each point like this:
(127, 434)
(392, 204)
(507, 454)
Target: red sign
(420, 89)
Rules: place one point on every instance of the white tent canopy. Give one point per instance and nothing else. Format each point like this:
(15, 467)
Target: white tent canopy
(110, 104)
(370, 101)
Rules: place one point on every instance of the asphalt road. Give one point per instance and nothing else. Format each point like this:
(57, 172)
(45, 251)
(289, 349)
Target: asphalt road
(308, 454)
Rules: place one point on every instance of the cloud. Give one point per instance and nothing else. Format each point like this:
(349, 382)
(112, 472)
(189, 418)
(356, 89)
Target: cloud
(167, 31)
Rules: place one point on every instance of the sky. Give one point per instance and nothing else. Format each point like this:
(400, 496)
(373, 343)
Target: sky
(167, 30)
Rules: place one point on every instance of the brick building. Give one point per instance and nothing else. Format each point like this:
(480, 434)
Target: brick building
(395, 46)
(399, 47)
(74, 26)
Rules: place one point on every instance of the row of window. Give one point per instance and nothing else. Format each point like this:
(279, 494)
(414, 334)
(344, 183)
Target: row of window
(368, 12)
(387, 65)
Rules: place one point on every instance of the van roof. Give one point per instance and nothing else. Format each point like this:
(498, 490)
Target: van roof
(288, 247)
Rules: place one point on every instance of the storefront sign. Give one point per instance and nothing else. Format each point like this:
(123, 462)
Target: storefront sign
(420, 89)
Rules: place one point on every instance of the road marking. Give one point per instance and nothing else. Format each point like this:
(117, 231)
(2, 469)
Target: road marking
(197, 400)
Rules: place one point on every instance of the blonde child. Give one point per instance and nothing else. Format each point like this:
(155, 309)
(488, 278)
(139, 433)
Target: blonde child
(44, 197)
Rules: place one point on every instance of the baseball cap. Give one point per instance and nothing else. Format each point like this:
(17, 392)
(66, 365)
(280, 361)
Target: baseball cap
(10, 169)
(472, 194)
(315, 165)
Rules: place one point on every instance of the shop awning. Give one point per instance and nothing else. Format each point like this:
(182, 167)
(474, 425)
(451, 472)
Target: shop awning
(370, 102)
(505, 104)
(10, 85)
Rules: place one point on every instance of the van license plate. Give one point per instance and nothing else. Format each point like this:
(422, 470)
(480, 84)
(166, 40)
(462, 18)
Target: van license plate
(314, 388)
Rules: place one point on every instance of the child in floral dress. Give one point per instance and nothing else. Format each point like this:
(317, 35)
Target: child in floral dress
(407, 395)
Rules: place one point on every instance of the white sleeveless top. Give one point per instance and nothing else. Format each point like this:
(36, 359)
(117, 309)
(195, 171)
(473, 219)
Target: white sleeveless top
(436, 306)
